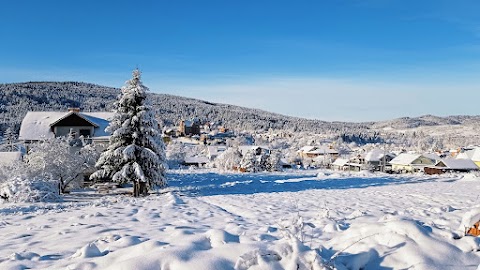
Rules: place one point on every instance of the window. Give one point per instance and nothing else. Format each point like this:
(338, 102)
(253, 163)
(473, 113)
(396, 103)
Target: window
(85, 132)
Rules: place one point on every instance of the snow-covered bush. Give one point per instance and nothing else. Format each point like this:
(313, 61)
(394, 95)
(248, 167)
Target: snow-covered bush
(15, 169)
(56, 160)
(29, 190)
(228, 160)
(175, 154)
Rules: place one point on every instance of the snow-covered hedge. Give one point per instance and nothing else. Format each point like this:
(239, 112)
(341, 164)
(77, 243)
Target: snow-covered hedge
(29, 190)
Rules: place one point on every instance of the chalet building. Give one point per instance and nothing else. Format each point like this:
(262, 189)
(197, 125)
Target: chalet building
(189, 127)
(452, 165)
(318, 151)
(410, 163)
(378, 160)
(91, 126)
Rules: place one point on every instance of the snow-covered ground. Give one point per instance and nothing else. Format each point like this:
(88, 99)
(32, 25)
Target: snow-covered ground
(291, 220)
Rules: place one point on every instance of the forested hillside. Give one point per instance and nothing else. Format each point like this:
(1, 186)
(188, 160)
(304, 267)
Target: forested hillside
(18, 98)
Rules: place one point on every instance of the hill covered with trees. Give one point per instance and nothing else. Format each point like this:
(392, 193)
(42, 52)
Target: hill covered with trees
(18, 98)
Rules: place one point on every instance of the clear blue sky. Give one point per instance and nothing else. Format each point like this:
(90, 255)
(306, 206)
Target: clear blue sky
(352, 60)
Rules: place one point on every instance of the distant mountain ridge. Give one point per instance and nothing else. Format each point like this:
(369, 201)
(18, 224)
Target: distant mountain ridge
(18, 98)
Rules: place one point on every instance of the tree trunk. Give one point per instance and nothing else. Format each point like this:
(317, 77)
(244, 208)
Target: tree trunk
(143, 188)
(136, 191)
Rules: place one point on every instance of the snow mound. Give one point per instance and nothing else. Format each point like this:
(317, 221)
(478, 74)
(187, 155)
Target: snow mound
(291, 254)
(29, 190)
(220, 237)
(174, 199)
(24, 256)
(88, 251)
(469, 218)
(470, 177)
(407, 243)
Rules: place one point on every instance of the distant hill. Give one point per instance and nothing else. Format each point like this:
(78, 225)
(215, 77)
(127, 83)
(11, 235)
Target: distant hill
(18, 98)
(426, 120)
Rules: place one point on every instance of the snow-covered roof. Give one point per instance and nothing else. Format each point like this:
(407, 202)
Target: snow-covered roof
(432, 156)
(462, 155)
(377, 155)
(322, 150)
(245, 148)
(340, 162)
(37, 125)
(319, 150)
(306, 149)
(215, 150)
(473, 154)
(458, 164)
(7, 158)
(405, 159)
(196, 160)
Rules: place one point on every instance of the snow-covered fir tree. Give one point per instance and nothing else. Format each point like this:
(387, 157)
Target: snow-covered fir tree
(262, 161)
(249, 162)
(9, 138)
(136, 152)
(273, 161)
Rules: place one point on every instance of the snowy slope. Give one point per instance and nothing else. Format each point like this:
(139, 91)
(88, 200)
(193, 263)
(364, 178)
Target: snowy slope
(245, 221)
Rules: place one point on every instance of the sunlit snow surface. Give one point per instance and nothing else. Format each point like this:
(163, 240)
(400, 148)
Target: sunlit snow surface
(208, 220)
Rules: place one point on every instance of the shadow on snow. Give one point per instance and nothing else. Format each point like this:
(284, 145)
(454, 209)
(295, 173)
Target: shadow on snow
(247, 183)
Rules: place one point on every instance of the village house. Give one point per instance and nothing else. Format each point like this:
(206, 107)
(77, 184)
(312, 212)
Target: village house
(378, 159)
(90, 126)
(340, 164)
(257, 149)
(470, 153)
(189, 127)
(198, 161)
(410, 162)
(452, 165)
(318, 151)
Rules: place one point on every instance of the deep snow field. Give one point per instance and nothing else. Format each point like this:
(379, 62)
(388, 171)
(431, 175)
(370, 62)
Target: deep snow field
(290, 220)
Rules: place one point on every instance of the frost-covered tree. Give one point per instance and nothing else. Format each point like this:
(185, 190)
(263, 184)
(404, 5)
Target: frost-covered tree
(249, 162)
(136, 152)
(273, 161)
(228, 160)
(175, 153)
(9, 138)
(262, 161)
(55, 159)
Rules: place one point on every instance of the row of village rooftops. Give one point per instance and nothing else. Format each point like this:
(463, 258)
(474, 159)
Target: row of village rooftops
(374, 160)
(40, 125)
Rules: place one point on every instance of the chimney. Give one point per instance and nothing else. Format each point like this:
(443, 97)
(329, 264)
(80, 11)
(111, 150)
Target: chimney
(75, 110)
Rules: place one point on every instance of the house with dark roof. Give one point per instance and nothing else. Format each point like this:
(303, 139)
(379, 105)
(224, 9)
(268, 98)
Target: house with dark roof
(189, 127)
(38, 126)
